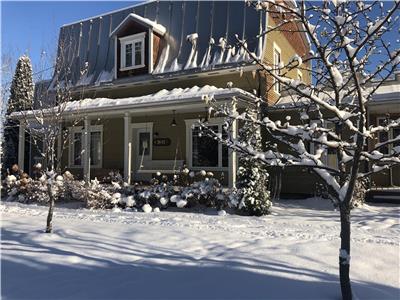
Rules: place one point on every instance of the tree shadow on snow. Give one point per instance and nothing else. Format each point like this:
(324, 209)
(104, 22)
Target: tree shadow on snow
(152, 276)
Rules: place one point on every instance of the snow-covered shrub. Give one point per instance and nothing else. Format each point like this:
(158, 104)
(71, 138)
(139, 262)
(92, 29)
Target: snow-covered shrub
(98, 197)
(360, 189)
(252, 176)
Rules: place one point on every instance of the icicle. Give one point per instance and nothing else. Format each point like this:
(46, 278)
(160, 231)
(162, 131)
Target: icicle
(192, 60)
(163, 61)
(207, 56)
(218, 56)
(175, 66)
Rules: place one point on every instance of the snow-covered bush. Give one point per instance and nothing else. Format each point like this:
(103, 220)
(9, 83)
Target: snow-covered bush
(96, 196)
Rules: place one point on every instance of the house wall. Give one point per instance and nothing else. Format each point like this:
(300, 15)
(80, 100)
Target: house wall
(290, 43)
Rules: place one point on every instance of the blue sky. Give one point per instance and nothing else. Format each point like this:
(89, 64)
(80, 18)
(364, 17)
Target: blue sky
(30, 27)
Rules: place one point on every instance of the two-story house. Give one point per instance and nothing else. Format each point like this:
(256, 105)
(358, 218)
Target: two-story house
(138, 77)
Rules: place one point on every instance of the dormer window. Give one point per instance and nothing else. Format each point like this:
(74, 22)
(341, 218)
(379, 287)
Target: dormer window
(132, 51)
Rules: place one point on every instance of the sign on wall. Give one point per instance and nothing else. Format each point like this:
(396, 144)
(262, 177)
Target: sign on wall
(162, 142)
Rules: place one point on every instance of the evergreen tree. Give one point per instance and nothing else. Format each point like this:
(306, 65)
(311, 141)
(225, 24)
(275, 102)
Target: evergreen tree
(21, 92)
(252, 181)
(21, 97)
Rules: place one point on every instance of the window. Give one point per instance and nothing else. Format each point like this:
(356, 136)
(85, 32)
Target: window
(299, 75)
(384, 136)
(203, 151)
(132, 51)
(76, 146)
(277, 64)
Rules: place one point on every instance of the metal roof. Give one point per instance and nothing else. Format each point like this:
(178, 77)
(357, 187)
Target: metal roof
(86, 49)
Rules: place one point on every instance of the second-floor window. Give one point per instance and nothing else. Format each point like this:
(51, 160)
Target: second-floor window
(277, 65)
(132, 51)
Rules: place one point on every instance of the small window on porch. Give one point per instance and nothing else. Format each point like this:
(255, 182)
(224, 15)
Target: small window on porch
(207, 152)
(76, 147)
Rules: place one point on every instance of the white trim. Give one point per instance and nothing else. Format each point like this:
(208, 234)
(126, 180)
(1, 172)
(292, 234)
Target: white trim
(276, 64)
(81, 129)
(150, 51)
(115, 57)
(189, 145)
(21, 145)
(158, 28)
(132, 40)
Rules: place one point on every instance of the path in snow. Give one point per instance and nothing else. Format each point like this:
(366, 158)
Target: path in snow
(291, 254)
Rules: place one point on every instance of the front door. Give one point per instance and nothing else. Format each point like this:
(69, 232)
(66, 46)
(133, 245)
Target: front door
(143, 148)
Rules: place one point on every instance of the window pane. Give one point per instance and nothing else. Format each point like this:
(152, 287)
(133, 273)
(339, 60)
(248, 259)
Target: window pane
(77, 148)
(205, 149)
(128, 55)
(277, 60)
(225, 149)
(396, 133)
(383, 136)
(138, 53)
(144, 143)
(95, 148)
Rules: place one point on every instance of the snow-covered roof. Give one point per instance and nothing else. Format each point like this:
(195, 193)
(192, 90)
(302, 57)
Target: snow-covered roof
(179, 96)
(158, 28)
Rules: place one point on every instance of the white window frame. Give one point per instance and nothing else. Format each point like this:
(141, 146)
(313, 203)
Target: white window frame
(276, 64)
(132, 39)
(190, 124)
(72, 131)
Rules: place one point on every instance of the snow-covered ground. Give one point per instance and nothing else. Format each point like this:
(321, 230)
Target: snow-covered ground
(291, 254)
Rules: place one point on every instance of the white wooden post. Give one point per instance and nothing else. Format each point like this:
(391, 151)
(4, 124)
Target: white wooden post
(21, 145)
(233, 162)
(59, 145)
(127, 149)
(86, 150)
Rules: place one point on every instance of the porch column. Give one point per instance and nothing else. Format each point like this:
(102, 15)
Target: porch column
(127, 149)
(86, 150)
(59, 145)
(21, 145)
(232, 164)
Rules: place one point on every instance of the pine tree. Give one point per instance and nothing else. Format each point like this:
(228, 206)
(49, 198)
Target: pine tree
(252, 181)
(21, 97)
(21, 92)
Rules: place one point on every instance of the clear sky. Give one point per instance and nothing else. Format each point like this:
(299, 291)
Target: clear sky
(31, 27)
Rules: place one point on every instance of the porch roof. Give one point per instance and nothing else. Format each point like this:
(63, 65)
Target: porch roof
(162, 99)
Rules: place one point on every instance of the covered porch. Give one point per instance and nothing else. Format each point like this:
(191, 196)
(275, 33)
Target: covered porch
(141, 136)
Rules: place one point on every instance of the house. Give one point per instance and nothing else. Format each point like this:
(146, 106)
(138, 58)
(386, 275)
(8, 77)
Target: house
(138, 77)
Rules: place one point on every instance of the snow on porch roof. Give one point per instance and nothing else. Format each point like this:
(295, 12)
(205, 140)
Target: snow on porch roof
(161, 98)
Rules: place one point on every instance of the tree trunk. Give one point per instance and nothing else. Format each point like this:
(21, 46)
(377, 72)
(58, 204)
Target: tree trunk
(344, 255)
(49, 225)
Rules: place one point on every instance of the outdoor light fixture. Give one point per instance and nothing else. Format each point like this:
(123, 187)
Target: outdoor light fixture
(206, 119)
(173, 123)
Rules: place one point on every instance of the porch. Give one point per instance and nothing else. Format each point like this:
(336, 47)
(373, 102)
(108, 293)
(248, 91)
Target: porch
(144, 135)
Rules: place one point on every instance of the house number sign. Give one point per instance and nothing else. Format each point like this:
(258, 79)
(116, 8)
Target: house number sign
(162, 142)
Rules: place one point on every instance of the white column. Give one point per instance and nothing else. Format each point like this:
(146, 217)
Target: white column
(86, 150)
(233, 163)
(59, 144)
(127, 149)
(21, 145)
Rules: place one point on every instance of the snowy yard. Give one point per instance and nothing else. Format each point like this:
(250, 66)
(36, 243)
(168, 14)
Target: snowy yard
(291, 254)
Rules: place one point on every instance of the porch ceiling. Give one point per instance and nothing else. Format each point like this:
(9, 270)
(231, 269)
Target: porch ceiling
(183, 100)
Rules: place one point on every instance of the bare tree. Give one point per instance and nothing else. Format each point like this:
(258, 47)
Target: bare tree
(45, 121)
(351, 56)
